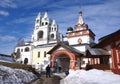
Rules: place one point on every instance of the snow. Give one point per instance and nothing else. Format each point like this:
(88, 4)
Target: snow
(61, 75)
(93, 76)
(15, 76)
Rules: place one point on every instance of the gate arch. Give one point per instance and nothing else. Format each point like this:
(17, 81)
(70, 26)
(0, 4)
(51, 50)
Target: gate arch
(67, 53)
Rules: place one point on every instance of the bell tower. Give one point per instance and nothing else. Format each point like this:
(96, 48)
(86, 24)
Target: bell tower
(45, 30)
(38, 21)
(81, 33)
(81, 24)
(54, 32)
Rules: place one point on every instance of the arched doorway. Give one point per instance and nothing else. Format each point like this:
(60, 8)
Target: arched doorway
(64, 58)
(62, 62)
(25, 60)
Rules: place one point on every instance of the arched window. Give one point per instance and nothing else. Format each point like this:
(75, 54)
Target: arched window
(55, 29)
(52, 29)
(27, 49)
(52, 36)
(18, 50)
(37, 21)
(21, 50)
(46, 23)
(40, 35)
(42, 23)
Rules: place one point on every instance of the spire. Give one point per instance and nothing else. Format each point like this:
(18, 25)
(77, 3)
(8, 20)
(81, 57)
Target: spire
(39, 15)
(46, 14)
(53, 22)
(80, 20)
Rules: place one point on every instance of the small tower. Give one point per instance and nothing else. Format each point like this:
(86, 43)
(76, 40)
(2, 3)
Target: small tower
(41, 30)
(81, 24)
(45, 15)
(45, 31)
(53, 31)
(38, 21)
(80, 20)
(81, 33)
(46, 20)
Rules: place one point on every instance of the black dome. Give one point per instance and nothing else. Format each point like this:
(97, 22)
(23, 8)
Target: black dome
(69, 29)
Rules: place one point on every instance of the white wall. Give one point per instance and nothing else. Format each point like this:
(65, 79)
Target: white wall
(24, 54)
(74, 40)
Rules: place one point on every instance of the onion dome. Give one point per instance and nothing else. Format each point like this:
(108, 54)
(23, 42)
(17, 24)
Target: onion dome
(69, 29)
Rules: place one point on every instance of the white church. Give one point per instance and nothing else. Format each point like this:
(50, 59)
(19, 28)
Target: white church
(49, 46)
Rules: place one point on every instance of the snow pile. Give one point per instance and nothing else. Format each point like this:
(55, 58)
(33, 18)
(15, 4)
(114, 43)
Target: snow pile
(91, 77)
(15, 76)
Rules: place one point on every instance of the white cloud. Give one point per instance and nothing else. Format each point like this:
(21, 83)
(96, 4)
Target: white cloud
(7, 3)
(7, 38)
(4, 13)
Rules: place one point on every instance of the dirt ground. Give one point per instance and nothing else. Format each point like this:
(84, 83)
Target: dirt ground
(43, 80)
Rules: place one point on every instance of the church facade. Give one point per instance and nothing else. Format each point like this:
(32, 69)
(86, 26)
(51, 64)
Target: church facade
(44, 37)
(49, 46)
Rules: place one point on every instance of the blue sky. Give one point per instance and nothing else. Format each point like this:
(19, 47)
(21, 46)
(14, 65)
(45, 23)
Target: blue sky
(17, 17)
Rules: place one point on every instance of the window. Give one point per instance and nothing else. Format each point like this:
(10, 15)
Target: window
(45, 54)
(42, 23)
(46, 23)
(104, 60)
(27, 49)
(55, 29)
(52, 36)
(21, 50)
(37, 21)
(40, 35)
(38, 54)
(83, 62)
(18, 50)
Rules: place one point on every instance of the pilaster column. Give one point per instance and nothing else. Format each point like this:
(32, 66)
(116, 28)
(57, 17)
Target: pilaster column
(72, 64)
(52, 63)
(114, 59)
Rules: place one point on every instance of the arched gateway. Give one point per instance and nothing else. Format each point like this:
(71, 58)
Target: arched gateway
(64, 55)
